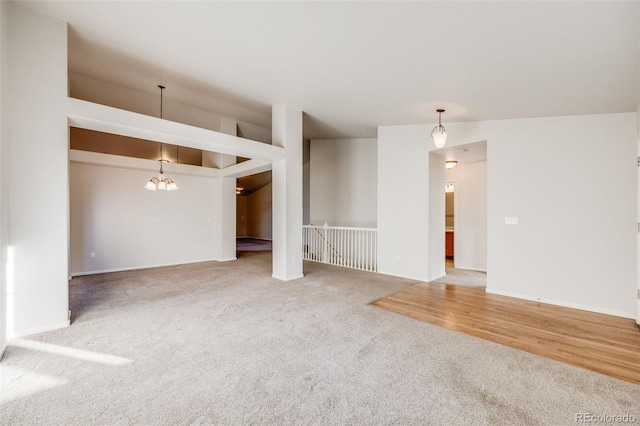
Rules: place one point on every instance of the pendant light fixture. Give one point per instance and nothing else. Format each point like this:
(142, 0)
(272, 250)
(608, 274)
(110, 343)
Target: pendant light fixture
(239, 188)
(439, 133)
(161, 182)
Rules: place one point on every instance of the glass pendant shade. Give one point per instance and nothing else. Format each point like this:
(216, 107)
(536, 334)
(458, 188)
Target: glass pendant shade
(171, 185)
(151, 185)
(439, 135)
(162, 185)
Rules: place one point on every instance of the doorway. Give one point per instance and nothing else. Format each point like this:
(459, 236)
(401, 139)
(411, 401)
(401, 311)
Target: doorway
(465, 215)
(449, 216)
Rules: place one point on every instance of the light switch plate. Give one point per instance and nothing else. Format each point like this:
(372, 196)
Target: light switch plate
(511, 220)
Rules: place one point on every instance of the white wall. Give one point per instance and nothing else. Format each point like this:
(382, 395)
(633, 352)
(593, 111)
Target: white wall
(306, 181)
(4, 169)
(403, 215)
(260, 213)
(343, 182)
(38, 171)
(569, 180)
(638, 217)
(241, 216)
(93, 90)
(470, 221)
(129, 227)
(435, 195)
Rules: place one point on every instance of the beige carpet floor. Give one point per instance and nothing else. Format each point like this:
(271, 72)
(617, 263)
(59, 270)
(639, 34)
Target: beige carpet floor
(224, 343)
(462, 277)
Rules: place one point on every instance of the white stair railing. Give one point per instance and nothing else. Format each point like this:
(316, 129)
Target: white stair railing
(342, 246)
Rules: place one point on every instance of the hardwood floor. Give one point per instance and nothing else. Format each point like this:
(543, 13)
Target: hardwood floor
(601, 343)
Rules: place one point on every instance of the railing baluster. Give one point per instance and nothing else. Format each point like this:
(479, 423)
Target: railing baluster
(371, 236)
(349, 253)
(360, 250)
(331, 254)
(370, 250)
(366, 251)
(356, 240)
(355, 248)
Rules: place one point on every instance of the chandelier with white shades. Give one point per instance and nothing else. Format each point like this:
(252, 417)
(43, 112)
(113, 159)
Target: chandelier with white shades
(161, 182)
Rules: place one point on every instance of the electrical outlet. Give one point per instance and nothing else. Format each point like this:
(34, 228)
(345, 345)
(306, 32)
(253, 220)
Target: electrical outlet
(93, 255)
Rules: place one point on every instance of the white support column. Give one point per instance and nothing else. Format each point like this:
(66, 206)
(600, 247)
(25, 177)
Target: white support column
(227, 202)
(38, 144)
(287, 194)
(4, 172)
(227, 219)
(637, 295)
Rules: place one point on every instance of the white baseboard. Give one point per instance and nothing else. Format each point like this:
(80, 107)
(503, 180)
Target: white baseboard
(5, 345)
(563, 304)
(466, 268)
(228, 260)
(408, 277)
(134, 268)
(41, 329)
(288, 279)
(437, 277)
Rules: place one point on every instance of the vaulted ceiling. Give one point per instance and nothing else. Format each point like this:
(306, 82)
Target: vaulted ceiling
(352, 66)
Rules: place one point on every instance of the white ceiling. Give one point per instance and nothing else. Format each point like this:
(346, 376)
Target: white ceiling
(352, 66)
(468, 153)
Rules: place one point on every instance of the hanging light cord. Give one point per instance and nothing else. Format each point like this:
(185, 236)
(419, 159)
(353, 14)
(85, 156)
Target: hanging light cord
(161, 91)
(161, 156)
(161, 182)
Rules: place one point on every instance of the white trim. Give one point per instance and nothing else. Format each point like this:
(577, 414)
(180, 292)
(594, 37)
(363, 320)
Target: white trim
(134, 268)
(469, 269)
(438, 277)
(3, 350)
(102, 118)
(340, 227)
(288, 279)
(563, 304)
(228, 260)
(246, 168)
(120, 162)
(420, 279)
(257, 238)
(41, 329)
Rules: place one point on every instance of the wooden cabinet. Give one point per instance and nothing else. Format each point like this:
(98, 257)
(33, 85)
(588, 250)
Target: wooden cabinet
(448, 250)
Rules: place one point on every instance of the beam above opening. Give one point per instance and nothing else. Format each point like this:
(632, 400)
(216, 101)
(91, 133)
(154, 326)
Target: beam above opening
(102, 118)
